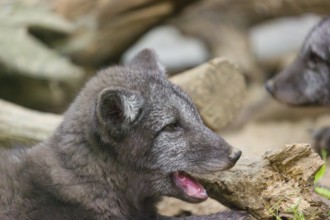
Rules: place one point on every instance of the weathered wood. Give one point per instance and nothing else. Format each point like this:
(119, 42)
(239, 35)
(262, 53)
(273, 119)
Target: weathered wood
(19, 125)
(218, 90)
(23, 54)
(107, 28)
(280, 183)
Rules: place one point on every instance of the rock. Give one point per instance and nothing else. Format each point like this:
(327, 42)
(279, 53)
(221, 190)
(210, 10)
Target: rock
(280, 36)
(176, 51)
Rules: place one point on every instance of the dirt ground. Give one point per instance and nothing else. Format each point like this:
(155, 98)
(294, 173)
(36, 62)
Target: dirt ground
(263, 124)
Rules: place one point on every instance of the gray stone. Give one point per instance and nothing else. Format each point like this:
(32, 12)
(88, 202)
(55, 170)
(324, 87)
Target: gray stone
(175, 50)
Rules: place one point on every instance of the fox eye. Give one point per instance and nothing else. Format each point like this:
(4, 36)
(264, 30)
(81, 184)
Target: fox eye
(172, 127)
(315, 58)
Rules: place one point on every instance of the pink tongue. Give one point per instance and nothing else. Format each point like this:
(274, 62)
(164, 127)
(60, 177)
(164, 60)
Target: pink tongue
(190, 186)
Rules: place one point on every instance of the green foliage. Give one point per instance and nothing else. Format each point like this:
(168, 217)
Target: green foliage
(297, 214)
(294, 210)
(323, 192)
(319, 175)
(322, 170)
(274, 210)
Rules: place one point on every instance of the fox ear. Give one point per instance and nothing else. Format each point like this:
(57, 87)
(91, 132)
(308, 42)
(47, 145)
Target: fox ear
(147, 60)
(117, 108)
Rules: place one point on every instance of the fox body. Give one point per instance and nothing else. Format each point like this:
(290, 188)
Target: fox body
(128, 139)
(307, 80)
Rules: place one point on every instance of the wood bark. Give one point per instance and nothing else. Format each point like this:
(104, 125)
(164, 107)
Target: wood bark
(280, 183)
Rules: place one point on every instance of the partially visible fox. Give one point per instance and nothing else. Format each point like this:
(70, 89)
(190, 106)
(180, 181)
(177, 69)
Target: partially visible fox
(307, 80)
(129, 138)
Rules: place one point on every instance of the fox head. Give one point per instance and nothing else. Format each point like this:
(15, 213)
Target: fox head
(140, 120)
(307, 80)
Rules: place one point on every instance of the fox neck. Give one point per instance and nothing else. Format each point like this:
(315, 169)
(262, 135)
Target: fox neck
(83, 173)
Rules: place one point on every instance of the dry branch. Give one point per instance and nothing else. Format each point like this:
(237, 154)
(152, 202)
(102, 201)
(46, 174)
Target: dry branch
(281, 182)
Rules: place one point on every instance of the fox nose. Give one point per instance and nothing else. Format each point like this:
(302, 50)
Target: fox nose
(269, 85)
(235, 155)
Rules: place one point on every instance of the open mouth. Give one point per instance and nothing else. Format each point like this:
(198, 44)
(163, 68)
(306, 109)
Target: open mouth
(189, 186)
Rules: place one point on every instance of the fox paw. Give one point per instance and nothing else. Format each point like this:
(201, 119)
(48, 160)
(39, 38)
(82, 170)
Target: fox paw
(322, 140)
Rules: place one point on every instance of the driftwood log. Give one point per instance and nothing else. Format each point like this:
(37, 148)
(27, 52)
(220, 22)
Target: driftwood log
(107, 28)
(19, 125)
(217, 88)
(280, 183)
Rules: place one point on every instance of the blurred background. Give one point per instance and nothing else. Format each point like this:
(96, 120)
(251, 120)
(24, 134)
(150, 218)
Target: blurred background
(49, 48)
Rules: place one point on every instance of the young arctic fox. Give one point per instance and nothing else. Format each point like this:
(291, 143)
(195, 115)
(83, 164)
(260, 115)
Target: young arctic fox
(129, 138)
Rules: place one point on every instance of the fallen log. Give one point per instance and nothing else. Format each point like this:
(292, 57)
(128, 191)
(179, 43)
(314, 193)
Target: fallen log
(218, 90)
(279, 184)
(19, 125)
(107, 28)
(23, 54)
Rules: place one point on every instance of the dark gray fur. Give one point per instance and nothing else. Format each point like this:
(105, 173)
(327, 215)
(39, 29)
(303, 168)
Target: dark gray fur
(307, 80)
(114, 152)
